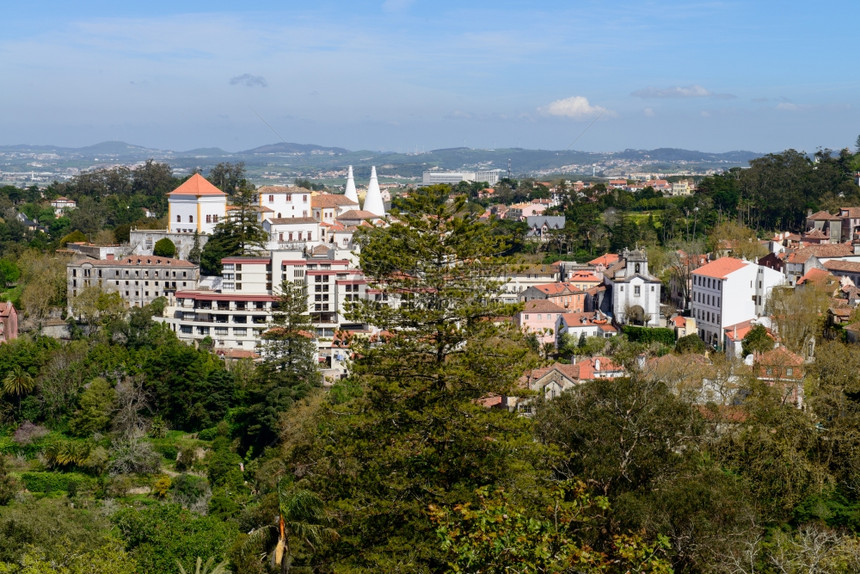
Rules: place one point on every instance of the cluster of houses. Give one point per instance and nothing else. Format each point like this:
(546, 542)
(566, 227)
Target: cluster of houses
(310, 240)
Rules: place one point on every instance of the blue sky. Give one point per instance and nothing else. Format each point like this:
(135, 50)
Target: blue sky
(413, 75)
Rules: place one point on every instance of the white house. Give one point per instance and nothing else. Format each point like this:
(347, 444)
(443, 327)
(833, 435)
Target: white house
(285, 201)
(196, 205)
(727, 292)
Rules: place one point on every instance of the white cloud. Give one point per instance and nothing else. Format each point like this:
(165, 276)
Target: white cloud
(576, 107)
(693, 91)
(649, 112)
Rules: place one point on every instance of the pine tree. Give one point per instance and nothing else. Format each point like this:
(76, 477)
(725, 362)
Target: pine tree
(415, 432)
(288, 371)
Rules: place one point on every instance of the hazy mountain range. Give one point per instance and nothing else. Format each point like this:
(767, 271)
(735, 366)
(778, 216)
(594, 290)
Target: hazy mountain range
(310, 160)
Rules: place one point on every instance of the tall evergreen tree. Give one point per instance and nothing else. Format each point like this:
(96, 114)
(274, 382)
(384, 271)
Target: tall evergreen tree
(288, 371)
(415, 433)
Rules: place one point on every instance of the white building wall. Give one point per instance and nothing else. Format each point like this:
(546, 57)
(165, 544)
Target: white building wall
(293, 203)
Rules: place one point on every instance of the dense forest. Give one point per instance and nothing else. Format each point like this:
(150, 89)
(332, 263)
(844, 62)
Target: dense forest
(124, 450)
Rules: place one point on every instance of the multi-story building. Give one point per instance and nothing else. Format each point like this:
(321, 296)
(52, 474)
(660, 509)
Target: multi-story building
(455, 177)
(727, 292)
(196, 205)
(285, 201)
(139, 279)
(232, 320)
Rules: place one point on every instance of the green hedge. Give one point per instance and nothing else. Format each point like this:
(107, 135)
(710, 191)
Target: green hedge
(57, 481)
(649, 335)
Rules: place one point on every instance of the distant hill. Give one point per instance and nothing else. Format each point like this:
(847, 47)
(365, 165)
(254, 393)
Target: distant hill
(293, 148)
(284, 161)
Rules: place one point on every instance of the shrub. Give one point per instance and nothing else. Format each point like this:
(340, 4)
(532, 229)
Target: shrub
(28, 433)
(133, 455)
(46, 482)
(164, 248)
(648, 335)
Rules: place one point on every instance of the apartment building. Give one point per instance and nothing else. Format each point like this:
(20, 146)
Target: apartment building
(727, 292)
(139, 279)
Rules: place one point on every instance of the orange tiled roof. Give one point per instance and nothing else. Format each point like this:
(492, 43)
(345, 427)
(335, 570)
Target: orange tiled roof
(542, 306)
(197, 185)
(331, 200)
(823, 216)
(606, 260)
(721, 268)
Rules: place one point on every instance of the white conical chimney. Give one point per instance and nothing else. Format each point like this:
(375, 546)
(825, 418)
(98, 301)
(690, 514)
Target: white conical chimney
(373, 200)
(350, 187)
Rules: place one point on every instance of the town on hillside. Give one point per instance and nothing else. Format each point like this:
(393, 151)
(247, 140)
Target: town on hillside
(610, 375)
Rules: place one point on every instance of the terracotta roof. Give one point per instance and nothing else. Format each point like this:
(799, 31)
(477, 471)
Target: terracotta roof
(358, 214)
(586, 318)
(721, 268)
(278, 189)
(557, 288)
(841, 265)
(6, 308)
(605, 260)
(738, 331)
(780, 356)
(542, 306)
(197, 185)
(815, 234)
(803, 254)
(292, 220)
(584, 276)
(331, 200)
(140, 261)
(815, 275)
(849, 212)
(823, 216)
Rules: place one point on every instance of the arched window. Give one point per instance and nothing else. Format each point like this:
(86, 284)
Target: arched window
(178, 219)
(190, 219)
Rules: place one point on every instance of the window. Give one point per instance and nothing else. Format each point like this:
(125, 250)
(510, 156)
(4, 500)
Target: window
(178, 219)
(789, 371)
(636, 290)
(272, 200)
(190, 219)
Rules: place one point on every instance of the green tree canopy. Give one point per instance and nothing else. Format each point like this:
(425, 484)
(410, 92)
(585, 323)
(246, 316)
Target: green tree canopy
(164, 247)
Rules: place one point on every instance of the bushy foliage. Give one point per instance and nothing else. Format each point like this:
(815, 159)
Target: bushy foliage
(157, 536)
(648, 335)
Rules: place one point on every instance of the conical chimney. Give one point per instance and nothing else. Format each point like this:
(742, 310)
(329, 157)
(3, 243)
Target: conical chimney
(373, 200)
(350, 187)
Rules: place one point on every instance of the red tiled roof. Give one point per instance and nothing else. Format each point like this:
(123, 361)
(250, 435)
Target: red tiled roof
(844, 266)
(823, 250)
(542, 306)
(197, 186)
(823, 216)
(606, 260)
(721, 268)
(331, 200)
(815, 275)
(780, 356)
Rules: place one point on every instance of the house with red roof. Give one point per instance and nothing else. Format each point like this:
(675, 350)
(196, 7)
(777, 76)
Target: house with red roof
(196, 205)
(728, 291)
(539, 317)
(784, 370)
(589, 324)
(561, 293)
(552, 381)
